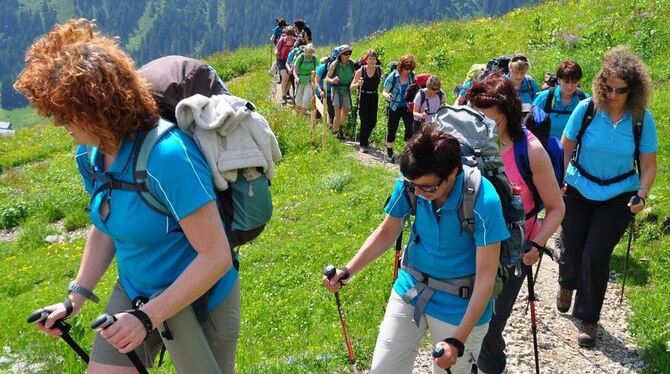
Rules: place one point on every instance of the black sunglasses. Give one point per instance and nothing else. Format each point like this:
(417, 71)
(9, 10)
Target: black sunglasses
(347, 53)
(618, 91)
(427, 189)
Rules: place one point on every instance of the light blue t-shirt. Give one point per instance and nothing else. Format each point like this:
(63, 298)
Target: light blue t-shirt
(464, 89)
(398, 93)
(442, 250)
(607, 150)
(558, 120)
(151, 250)
(527, 89)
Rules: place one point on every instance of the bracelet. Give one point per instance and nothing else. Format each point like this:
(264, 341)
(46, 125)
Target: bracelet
(144, 318)
(83, 291)
(457, 344)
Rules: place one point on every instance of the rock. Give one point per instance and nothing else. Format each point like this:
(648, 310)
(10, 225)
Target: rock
(52, 239)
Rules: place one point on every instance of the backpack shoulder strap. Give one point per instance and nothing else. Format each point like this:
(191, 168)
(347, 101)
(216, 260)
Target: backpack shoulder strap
(586, 121)
(472, 179)
(142, 159)
(580, 94)
(549, 104)
(637, 136)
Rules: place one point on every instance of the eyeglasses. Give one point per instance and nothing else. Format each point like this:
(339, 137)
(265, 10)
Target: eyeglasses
(434, 89)
(618, 91)
(427, 189)
(347, 53)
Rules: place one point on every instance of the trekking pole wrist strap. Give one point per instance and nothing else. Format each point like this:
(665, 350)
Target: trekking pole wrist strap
(144, 318)
(83, 291)
(346, 274)
(67, 303)
(456, 344)
(644, 202)
(542, 249)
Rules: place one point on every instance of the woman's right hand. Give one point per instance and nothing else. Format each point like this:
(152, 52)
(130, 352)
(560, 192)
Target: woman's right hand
(387, 96)
(334, 284)
(57, 312)
(335, 80)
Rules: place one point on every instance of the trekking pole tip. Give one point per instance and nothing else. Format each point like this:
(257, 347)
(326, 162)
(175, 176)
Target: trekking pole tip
(103, 321)
(329, 271)
(38, 316)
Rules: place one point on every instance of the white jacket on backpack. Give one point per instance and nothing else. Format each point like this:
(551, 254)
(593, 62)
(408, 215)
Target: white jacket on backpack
(231, 135)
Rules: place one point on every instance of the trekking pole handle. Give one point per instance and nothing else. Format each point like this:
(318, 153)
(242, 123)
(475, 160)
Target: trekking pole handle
(438, 351)
(636, 200)
(38, 316)
(103, 321)
(329, 271)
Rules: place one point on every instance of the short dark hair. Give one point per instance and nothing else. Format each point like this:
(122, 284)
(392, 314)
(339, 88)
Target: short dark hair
(431, 151)
(496, 90)
(569, 70)
(299, 24)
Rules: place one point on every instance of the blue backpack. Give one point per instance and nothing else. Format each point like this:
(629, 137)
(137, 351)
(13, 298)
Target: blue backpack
(555, 150)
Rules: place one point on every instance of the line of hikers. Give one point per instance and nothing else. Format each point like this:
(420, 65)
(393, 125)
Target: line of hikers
(474, 179)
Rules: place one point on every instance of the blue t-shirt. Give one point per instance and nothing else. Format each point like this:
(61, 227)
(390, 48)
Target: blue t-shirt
(464, 89)
(276, 33)
(558, 120)
(398, 93)
(527, 89)
(321, 72)
(151, 251)
(607, 150)
(443, 250)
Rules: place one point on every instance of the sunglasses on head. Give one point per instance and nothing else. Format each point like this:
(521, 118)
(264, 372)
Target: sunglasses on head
(618, 91)
(427, 189)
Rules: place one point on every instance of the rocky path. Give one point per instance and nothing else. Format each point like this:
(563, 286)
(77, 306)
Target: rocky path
(615, 351)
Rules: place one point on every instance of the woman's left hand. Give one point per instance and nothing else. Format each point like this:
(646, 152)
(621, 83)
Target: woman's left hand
(636, 208)
(126, 334)
(531, 257)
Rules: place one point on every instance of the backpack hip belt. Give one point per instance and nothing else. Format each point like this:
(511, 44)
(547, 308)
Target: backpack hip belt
(600, 181)
(426, 287)
(368, 92)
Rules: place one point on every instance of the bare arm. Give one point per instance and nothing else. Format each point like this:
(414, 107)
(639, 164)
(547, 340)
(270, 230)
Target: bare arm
(568, 148)
(373, 247)
(356, 82)
(647, 177)
(550, 193)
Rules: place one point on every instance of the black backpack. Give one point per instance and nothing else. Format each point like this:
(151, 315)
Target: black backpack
(637, 135)
(549, 104)
(496, 65)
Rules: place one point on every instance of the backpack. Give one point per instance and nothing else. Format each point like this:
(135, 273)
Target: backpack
(286, 46)
(418, 83)
(363, 60)
(637, 135)
(295, 54)
(424, 99)
(549, 104)
(495, 65)
(539, 123)
(554, 149)
(246, 206)
(530, 87)
(481, 158)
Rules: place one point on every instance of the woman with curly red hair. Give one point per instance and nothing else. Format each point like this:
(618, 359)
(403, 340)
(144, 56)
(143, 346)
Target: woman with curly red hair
(90, 86)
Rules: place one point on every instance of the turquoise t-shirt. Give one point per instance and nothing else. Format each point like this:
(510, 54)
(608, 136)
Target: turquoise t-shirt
(558, 120)
(527, 90)
(443, 251)
(607, 151)
(151, 250)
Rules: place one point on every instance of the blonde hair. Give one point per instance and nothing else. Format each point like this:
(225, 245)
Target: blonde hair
(433, 82)
(621, 63)
(77, 75)
(519, 63)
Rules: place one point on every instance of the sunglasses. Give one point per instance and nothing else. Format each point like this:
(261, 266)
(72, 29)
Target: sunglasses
(618, 91)
(427, 189)
(347, 53)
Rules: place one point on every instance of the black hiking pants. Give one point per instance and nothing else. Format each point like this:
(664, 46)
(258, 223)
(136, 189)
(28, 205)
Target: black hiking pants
(367, 110)
(394, 122)
(591, 230)
(492, 357)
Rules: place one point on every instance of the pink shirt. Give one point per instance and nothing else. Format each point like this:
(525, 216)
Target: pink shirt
(532, 224)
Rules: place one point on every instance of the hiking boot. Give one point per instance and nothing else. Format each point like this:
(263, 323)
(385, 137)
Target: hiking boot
(365, 149)
(340, 134)
(588, 332)
(563, 299)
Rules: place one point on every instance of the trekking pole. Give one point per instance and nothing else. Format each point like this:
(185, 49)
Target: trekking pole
(439, 352)
(329, 271)
(41, 314)
(105, 320)
(533, 323)
(631, 229)
(396, 262)
(542, 250)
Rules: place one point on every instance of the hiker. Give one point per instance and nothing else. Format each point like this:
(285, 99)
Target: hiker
(367, 79)
(103, 103)
(284, 46)
(560, 101)
(431, 167)
(615, 161)
(496, 98)
(280, 23)
(303, 31)
(303, 68)
(321, 72)
(395, 86)
(473, 74)
(525, 85)
(426, 103)
(340, 75)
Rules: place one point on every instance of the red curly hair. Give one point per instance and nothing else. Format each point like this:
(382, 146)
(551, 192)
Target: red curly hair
(79, 76)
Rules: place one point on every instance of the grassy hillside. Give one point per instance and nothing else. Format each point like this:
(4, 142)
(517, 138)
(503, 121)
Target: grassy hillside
(326, 203)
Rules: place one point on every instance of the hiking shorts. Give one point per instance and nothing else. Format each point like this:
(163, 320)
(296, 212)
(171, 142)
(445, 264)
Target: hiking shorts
(281, 65)
(222, 329)
(341, 99)
(399, 340)
(303, 95)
